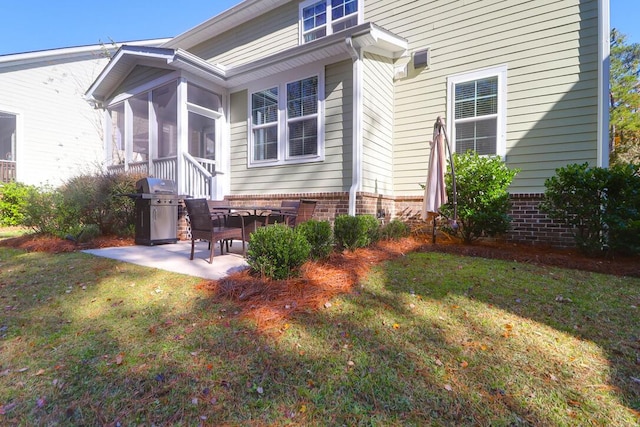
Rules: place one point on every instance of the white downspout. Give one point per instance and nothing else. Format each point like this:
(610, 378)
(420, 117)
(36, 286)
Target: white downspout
(356, 136)
(603, 84)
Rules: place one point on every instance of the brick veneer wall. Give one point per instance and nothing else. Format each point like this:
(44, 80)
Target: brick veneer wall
(529, 225)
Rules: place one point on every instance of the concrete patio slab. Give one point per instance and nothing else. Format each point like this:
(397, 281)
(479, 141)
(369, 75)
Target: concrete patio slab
(175, 258)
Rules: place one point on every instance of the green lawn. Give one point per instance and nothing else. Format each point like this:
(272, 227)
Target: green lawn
(427, 339)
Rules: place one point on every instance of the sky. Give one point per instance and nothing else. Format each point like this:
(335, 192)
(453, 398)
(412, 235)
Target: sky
(32, 25)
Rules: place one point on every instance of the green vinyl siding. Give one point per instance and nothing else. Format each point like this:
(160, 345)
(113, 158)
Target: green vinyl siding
(263, 36)
(550, 49)
(377, 125)
(332, 174)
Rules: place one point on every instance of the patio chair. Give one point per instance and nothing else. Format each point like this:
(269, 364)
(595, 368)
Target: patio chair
(217, 226)
(304, 210)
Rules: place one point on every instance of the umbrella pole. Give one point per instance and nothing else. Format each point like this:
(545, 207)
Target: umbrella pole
(453, 174)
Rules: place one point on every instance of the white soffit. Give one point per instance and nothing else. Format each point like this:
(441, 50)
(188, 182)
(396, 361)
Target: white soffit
(128, 57)
(369, 37)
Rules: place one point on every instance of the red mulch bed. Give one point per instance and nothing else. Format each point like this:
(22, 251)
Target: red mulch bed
(269, 303)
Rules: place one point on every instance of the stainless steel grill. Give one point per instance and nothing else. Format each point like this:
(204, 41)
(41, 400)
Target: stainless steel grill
(156, 207)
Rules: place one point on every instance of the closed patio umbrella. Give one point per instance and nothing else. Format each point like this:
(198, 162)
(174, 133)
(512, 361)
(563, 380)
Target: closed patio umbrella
(435, 193)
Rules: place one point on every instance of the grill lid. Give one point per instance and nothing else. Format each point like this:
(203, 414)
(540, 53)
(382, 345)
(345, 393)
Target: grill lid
(156, 186)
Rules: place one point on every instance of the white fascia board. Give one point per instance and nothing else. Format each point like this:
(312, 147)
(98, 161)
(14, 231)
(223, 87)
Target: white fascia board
(382, 42)
(227, 20)
(371, 38)
(128, 57)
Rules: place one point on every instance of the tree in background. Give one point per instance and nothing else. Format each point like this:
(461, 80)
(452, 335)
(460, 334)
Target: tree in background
(624, 94)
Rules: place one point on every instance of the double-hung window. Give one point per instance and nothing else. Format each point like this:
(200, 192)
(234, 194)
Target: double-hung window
(477, 106)
(264, 117)
(286, 123)
(321, 18)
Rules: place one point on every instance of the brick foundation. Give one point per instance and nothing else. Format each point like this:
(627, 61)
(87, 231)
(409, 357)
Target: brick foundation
(529, 225)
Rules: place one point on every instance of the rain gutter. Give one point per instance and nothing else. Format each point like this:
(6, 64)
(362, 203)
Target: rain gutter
(604, 63)
(356, 136)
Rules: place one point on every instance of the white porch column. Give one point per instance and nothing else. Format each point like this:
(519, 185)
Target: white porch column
(182, 144)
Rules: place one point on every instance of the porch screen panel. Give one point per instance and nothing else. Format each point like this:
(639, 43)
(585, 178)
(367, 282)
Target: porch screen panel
(264, 118)
(140, 108)
(476, 116)
(165, 104)
(117, 135)
(202, 136)
(302, 117)
(8, 126)
(202, 97)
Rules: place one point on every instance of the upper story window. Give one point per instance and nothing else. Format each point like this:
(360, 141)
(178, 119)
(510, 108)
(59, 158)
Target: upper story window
(286, 123)
(321, 18)
(477, 103)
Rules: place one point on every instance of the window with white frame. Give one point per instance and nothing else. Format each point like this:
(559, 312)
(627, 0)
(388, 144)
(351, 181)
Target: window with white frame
(321, 18)
(302, 117)
(264, 118)
(286, 122)
(477, 105)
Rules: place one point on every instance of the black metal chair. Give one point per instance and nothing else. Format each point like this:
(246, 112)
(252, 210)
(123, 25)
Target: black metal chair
(304, 210)
(217, 226)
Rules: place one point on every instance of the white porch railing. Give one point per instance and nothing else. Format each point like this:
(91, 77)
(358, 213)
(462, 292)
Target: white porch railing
(199, 175)
(141, 168)
(165, 167)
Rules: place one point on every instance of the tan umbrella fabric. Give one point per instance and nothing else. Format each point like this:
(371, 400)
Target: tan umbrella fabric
(435, 193)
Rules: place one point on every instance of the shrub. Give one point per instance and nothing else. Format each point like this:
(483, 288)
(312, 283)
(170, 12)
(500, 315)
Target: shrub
(320, 237)
(394, 230)
(13, 197)
(40, 212)
(97, 199)
(352, 232)
(601, 205)
(277, 251)
(482, 196)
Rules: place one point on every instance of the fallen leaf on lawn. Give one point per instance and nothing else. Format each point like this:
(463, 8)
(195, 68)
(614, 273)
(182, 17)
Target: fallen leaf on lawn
(464, 364)
(439, 362)
(119, 358)
(448, 387)
(41, 402)
(351, 363)
(40, 372)
(553, 377)
(396, 326)
(260, 390)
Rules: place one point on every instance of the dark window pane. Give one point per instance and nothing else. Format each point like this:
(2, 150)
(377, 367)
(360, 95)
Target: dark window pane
(303, 138)
(265, 143)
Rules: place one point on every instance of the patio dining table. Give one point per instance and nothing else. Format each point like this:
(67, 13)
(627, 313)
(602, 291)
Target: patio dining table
(254, 214)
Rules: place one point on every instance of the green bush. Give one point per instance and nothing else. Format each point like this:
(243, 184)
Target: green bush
(394, 230)
(320, 237)
(13, 197)
(97, 199)
(352, 232)
(277, 251)
(601, 205)
(482, 196)
(41, 211)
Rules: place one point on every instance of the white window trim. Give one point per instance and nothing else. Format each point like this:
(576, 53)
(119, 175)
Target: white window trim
(329, 23)
(283, 137)
(501, 73)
